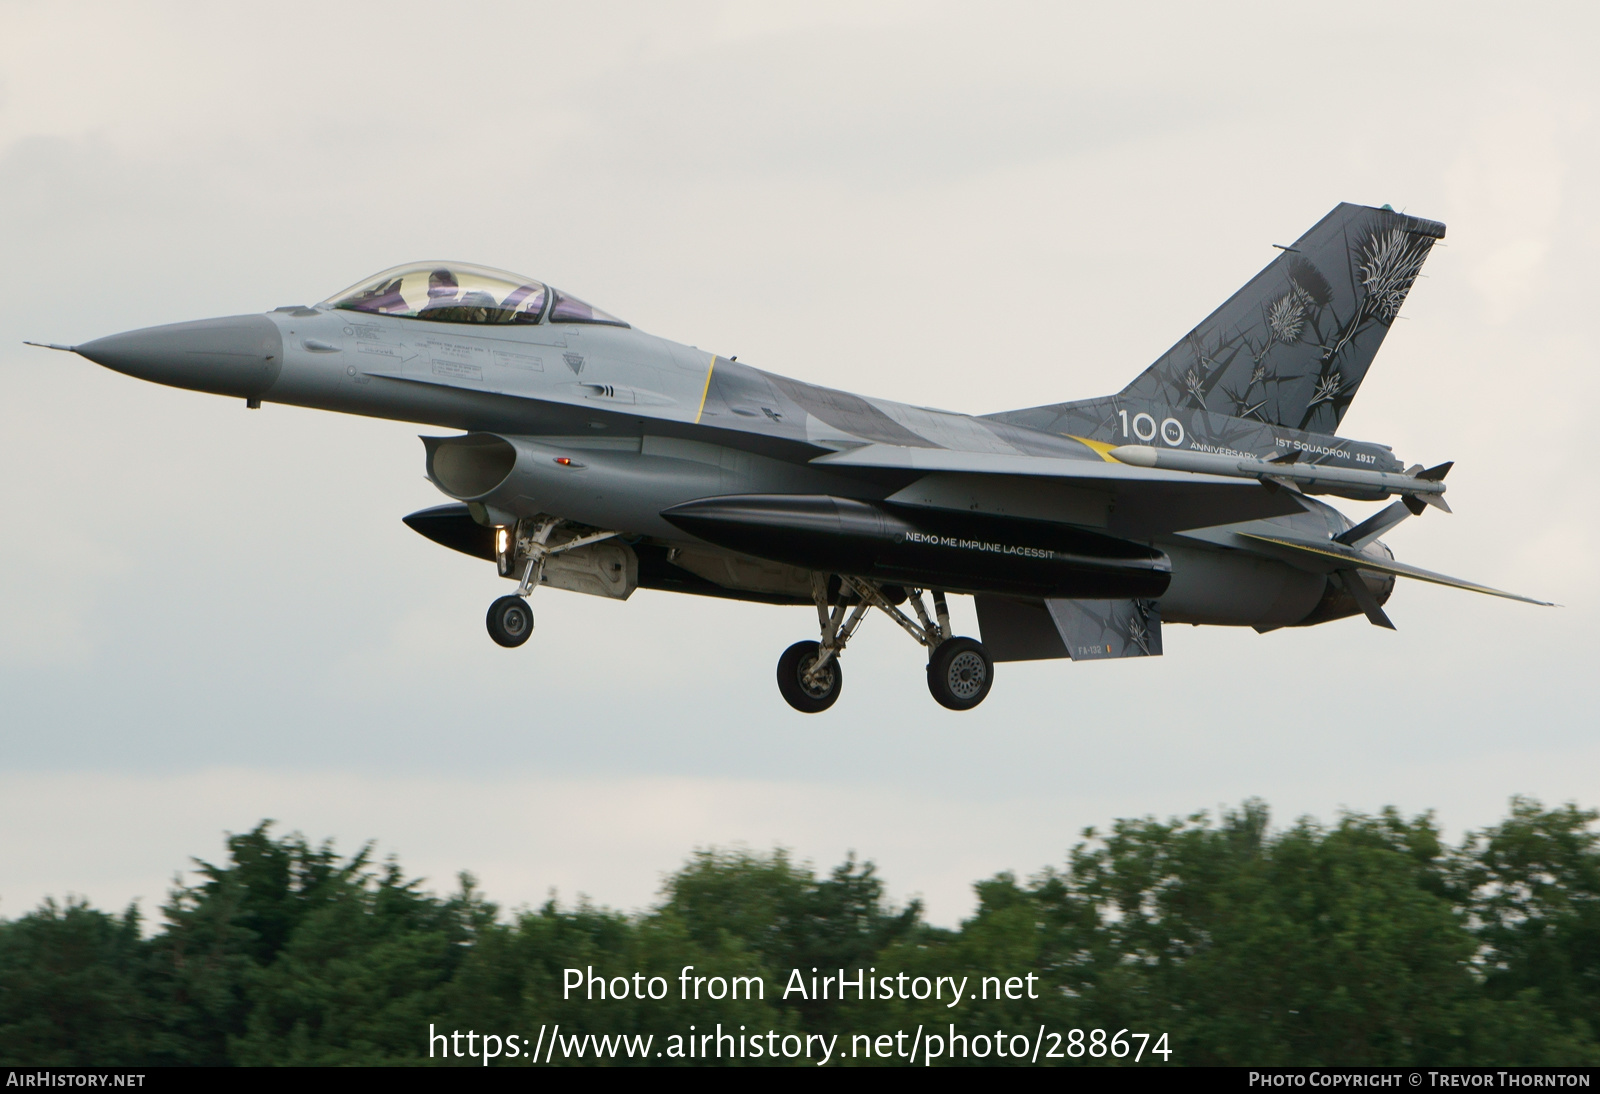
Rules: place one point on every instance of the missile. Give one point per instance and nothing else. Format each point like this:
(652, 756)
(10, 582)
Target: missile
(925, 547)
(1426, 486)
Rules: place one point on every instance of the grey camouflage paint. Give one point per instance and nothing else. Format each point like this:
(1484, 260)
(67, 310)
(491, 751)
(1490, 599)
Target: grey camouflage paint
(612, 425)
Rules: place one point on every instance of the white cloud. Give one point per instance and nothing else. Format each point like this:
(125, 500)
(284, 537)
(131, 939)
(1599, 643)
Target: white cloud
(1505, 191)
(963, 211)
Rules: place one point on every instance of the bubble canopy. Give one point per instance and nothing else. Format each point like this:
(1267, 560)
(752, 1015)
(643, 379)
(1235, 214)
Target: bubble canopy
(458, 292)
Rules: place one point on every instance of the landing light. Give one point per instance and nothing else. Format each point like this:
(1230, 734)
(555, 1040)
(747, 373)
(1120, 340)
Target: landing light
(502, 540)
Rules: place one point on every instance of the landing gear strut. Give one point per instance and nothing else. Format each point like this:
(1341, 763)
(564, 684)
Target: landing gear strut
(510, 619)
(960, 671)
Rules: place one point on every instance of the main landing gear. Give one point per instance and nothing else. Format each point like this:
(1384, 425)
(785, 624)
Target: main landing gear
(960, 671)
(808, 687)
(510, 619)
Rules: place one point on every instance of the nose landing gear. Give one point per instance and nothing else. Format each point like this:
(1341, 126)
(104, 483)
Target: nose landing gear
(510, 619)
(960, 671)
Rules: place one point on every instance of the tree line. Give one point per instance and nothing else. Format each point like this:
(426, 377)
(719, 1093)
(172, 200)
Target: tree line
(1370, 941)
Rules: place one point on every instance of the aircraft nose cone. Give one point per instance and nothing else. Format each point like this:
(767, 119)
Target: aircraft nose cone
(240, 355)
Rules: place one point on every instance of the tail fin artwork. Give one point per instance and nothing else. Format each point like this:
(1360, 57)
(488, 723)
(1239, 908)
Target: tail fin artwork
(1293, 345)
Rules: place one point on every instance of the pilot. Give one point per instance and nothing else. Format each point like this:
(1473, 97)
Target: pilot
(478, 306)
(443, 289)
(447, 303)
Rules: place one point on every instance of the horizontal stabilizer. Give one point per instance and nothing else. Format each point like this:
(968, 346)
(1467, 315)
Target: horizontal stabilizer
(1339, 557)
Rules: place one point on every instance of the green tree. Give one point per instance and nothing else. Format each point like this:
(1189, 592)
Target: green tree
(1533, 884)
(1368, 941)
(788, 918)
(74, 991)
(1345, 945)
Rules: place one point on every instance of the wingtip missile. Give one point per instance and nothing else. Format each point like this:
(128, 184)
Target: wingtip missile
(1426, 485)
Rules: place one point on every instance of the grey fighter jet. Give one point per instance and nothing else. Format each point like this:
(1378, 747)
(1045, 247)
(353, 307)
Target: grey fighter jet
(593, 457)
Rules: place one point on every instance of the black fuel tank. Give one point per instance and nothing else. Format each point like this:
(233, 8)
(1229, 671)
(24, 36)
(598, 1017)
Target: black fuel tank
(927, 548)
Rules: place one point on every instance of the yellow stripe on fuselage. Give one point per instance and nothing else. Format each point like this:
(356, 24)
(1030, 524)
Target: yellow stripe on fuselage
(1099, 448)
(705, 390)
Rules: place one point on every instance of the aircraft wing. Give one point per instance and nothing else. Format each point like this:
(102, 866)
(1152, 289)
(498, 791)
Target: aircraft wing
(1135, 502)
(1339, 557)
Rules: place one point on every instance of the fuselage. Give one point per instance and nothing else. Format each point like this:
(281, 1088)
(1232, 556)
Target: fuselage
(587, 455)
(606, 426)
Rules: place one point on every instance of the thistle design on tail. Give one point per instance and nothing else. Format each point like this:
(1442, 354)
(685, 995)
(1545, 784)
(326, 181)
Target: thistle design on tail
(1289, 349)
(1390, 263)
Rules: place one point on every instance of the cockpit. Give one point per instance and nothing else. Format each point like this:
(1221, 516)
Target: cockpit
(455, 292)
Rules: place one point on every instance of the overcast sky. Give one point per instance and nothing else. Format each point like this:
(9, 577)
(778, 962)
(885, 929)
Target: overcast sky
(209, 616)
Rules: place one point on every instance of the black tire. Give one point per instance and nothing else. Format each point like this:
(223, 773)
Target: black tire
(960, 673)
(510, 621)
(792, 667)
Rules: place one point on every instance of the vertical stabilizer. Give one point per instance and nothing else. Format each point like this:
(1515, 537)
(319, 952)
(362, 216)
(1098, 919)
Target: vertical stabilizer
(1293, 345)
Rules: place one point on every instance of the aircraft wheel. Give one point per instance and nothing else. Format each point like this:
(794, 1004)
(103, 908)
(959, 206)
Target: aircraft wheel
(510, 621)
(807, 698)
(960, 673)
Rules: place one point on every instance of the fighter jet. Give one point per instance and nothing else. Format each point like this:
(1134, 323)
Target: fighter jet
(590, 456)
